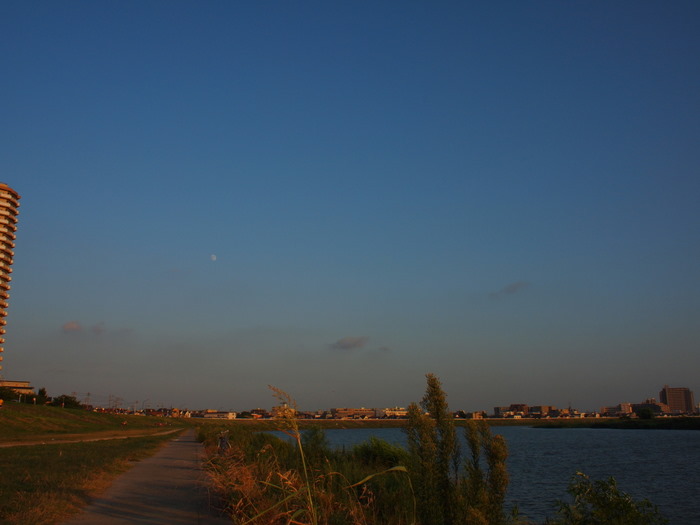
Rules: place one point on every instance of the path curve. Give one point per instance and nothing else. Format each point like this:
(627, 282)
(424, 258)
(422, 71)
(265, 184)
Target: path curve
(166, 489)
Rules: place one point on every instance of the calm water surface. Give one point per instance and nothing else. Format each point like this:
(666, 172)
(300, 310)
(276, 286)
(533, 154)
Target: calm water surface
(662, 465)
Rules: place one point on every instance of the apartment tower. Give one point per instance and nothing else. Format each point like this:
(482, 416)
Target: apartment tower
(9, 202)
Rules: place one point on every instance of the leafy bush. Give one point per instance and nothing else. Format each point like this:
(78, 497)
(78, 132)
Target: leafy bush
(602, 503)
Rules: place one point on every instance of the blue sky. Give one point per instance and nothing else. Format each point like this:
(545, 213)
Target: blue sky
(337, 198)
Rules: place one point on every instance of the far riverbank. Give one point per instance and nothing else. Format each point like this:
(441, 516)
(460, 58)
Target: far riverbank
(666, 423)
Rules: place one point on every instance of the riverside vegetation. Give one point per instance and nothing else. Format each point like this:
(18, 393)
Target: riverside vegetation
(265, 480)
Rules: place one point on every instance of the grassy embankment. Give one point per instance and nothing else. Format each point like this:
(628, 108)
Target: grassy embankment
(46, 482)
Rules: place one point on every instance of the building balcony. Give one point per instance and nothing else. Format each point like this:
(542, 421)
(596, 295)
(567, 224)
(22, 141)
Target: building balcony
(14, 199)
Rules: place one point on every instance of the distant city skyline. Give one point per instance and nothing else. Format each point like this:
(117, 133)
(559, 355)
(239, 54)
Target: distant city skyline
(336, 199)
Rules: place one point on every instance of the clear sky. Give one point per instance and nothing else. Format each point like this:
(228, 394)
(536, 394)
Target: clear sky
(336, 198)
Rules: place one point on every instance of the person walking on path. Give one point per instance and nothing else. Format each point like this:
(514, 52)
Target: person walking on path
(167, 489)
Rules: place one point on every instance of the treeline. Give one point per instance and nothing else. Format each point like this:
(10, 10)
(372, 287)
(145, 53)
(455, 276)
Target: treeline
(264, 480)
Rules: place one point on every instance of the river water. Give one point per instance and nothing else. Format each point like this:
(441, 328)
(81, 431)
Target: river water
(661, 465)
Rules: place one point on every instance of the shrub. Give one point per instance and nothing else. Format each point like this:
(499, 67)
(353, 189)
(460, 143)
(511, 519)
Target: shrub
(602, 503)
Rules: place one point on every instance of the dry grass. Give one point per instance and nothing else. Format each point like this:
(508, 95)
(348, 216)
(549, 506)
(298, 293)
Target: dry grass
(267, 481)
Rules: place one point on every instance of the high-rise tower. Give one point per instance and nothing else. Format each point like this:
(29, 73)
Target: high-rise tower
(9, 202)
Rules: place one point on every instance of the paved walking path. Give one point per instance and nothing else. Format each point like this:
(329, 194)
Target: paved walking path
(166, 489)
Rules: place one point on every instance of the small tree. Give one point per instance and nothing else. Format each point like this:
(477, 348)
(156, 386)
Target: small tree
(66, 401)
(7, 394)
(41, 397)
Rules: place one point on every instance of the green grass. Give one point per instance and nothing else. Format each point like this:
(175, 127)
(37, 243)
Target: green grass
(45, 484)
(22, 422)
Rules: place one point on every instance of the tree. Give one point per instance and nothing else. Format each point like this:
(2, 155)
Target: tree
(41, 397)
(7, 394)
(646, 413)
(66, 401)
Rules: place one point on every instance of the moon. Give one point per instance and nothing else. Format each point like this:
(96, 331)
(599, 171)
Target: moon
(212, 257)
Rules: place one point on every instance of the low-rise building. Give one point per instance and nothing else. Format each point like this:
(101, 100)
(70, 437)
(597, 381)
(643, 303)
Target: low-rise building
(353, 413)
(21, 387)
(395, 413)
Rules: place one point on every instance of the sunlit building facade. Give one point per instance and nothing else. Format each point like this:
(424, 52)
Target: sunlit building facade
(679, 400)
(9, 202)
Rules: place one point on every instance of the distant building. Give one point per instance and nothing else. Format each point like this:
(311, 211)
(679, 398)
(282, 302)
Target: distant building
(502, 412)
(9, 202)
(679, 400)
(260, 413)
(653, 405)
(623, 409)
(219, 414)
(282, 411)
(520, 409)
(541, 410)
(396, 412)
(353, 413)
(21, 387)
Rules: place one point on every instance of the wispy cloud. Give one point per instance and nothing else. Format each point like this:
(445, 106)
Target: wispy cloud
(72, 326)
(96, 329)
(349, 343)
(511, 289)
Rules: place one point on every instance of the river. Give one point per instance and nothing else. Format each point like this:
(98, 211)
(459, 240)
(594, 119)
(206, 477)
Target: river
(661, 465)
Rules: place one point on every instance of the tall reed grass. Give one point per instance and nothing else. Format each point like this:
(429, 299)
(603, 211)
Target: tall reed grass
(266, 480)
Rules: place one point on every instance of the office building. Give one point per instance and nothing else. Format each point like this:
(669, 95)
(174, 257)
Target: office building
(679, 400)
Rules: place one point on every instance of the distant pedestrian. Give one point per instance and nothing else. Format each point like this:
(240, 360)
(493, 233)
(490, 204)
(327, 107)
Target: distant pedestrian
(224, 444)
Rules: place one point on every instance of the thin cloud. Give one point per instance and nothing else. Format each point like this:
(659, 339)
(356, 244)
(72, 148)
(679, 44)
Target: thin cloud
(511, 289)
(349, 343)
(98, 329)
(72, 326)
